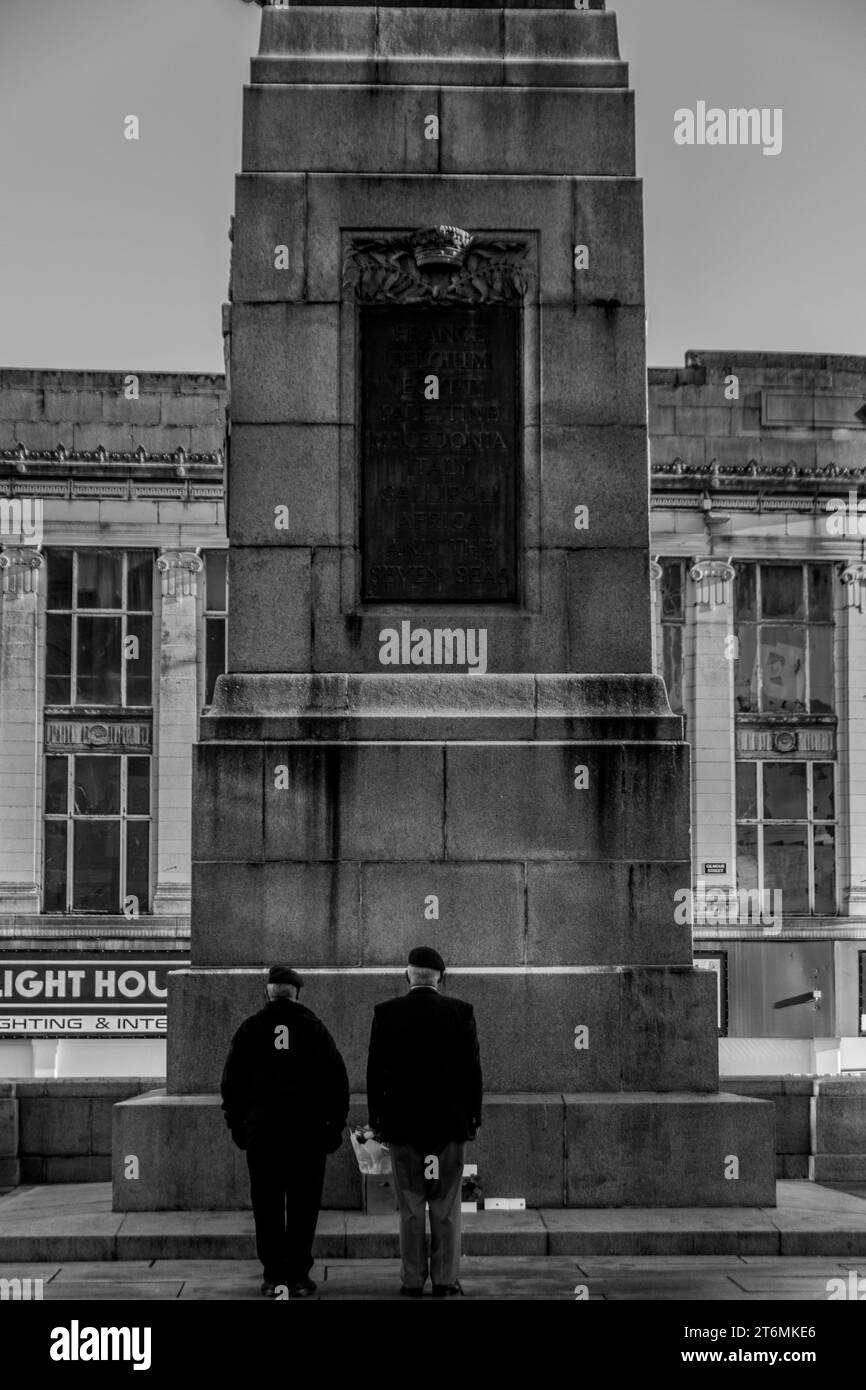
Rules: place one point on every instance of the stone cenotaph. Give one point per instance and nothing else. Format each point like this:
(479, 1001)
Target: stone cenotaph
(439, 723)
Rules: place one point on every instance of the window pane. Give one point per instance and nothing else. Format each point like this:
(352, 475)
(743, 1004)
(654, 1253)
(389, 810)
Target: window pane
(98, 661)
(139, 580)
(96, 860)
(96, 786)
(746, 670)
(783, 668)
(784, 791)
(138, 786)
(58, 658)
(215, 580)
(744, 593)
(825, 869)
(138, 861)
(672, 590)
(55, 785)
(821, 670)
(823, 798)
(54, 895)
(100, 575)
(782, 591)
(747, 856)
(786, 865)
(747, 791)
(820, 593)
(215, 654)
(59, 579)
(672, 664)
(139, 668)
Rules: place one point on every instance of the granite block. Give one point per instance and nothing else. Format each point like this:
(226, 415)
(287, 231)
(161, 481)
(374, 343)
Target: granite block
(594, 365)
(269, 213)
(228, 793)
(284, 364)
(531, 808)
(269, 614)
(324, 812)
(322, 130)
(601, 468)
(292, 466)
(253, 914)
(609, 611)
(669, 1151)
(479, 907)
(606, 914)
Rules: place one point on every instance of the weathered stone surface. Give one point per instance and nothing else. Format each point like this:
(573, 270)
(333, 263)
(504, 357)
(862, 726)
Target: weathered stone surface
(519, 1150)
(8, 1127)
(254, 914)
(668, 1035)
(284, 364)
(605, 914)
(608, 221)
(269, 213)
(531, 808)
(227, 818)
(604, 469)
(479, 907)
(325, 811)
(291, 466)
(609, 611)
(839, 1124)
(269, 615)
(48, 1126)
(669, 1151)
(594, 365)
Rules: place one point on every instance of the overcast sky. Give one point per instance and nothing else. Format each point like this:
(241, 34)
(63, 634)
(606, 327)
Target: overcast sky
(113, 253)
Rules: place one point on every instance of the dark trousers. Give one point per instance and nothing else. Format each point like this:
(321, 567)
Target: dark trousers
(286, 1189)
(442, 1195)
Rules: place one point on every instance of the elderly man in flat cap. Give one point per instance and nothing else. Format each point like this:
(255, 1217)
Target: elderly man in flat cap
(424, 1096)
(285, 1094)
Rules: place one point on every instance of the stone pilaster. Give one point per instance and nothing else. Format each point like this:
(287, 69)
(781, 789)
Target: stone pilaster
(711, 721)
(176, 729)
(19, 730)
(851, 689)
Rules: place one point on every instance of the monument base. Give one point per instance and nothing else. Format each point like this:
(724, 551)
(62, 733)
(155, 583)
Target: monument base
(639, 1149)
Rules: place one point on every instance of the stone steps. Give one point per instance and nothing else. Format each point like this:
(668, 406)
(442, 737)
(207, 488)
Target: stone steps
(75, 1222)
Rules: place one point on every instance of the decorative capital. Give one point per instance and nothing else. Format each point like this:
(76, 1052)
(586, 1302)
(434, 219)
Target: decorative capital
(854, 579)
(656, 573)
(436, 265)
(178, 569)
(713, 579)
(19, 568)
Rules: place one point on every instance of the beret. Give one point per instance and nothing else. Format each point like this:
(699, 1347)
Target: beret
(426, 956)
(284, 975)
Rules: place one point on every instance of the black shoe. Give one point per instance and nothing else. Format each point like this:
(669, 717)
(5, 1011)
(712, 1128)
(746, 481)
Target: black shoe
(268, 1289)
(302, 1288)
(447, 1290)
(411, 1293)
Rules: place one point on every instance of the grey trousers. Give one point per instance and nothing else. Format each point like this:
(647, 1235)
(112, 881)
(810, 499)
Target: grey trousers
(442, 1194)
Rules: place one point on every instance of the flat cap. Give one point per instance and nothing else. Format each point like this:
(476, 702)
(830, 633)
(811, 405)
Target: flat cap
(284, 975)
(427, 957)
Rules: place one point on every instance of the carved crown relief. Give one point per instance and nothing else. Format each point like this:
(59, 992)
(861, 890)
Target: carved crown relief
(441, 265)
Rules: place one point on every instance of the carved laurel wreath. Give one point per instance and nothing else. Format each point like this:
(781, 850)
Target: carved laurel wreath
(494, 271)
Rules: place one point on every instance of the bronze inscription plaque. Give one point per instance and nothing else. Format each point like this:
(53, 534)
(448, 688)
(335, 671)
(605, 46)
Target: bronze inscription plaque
(439, 471)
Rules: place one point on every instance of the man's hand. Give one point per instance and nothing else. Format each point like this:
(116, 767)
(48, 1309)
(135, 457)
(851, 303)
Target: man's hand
(239, 1136)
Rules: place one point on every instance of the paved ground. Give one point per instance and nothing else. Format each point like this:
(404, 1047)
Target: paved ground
(68, 1236)
(728, 1278)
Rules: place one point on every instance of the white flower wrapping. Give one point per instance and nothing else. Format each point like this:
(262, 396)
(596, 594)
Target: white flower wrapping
(373, 1158)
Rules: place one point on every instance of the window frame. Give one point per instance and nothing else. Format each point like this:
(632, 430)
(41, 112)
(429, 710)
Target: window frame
(759, 821)
(123, 613)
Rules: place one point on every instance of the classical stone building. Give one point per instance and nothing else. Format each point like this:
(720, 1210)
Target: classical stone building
(113, 629)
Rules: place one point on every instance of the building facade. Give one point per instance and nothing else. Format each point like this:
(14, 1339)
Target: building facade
(113, 630)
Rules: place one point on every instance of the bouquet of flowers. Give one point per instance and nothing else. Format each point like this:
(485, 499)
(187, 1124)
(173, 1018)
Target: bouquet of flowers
(373, 1158)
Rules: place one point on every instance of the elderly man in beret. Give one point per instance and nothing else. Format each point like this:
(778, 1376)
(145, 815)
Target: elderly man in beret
(424, 1093)
(285, 1095)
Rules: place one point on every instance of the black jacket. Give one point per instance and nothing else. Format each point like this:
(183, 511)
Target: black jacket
(424, 1081)
(299, 1091)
